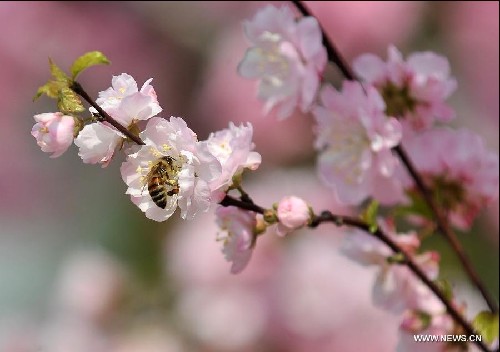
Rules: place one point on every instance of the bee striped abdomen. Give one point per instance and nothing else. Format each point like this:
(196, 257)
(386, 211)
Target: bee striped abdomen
(162, 180)
(156, 188)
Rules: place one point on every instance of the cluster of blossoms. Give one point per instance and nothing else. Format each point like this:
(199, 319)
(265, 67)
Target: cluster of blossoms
(189, 174)
(414, 90)
(396, 288)
(394, 104)
(459, 168)
(286, 56)
(239, 228)
(172, 169)
(98, 141)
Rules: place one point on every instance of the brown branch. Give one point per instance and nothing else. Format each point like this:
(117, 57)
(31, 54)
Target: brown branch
(339, 220)
(246, 205)
(104, 116)
(335, 57)
(445, 229)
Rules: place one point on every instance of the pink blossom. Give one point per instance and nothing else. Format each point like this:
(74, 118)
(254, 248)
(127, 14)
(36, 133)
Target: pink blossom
(98, 141)
(354, 138)
(121, 86)
(189, 254)
(53, 132)
(124, 87)
(237, 233)
(293, 213)
(396, 288)
(189, 170)
(460, 170)
(224, 97)
(233, 149)
(287, 56)
(320, 296)
(365, 249)
(369, 250)
(308, 305)
(414, 90)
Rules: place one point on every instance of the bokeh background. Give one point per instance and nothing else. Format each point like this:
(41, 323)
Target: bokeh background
(81, 268)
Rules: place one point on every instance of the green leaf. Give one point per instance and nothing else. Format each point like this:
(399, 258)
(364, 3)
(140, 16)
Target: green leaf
(87, 60)
(58, 74)
(68, 102)
(425, 318)
(369, 215)
(51, 89)
(486, 323)
(396, 258)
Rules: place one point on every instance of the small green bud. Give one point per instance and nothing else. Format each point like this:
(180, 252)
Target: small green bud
(270, 216)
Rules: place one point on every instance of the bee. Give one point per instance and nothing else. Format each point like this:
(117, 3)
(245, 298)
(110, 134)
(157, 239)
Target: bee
(160, 183)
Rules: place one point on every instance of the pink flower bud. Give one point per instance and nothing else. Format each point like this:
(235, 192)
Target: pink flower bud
(293, 213)
(53, 132)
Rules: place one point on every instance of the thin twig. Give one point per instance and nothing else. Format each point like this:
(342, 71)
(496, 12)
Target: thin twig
(339, 220)
(327, 216)
(78, 89)
(335, 57)
(230, 201)
(445, 229)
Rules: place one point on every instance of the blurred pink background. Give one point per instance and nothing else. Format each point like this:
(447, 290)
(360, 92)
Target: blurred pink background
(81, 266)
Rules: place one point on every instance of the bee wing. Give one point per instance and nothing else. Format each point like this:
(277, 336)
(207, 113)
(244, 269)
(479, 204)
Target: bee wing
(147, 178)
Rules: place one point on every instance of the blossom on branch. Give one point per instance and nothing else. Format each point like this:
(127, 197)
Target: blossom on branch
(172, 169)
(293, 213)
(53, 132)
(354, 140)
(237, 233)
(396, 287)
(288, 58)
(98, 141)
(125, 86)
(462, 174)
(414, 90)
(233, 148)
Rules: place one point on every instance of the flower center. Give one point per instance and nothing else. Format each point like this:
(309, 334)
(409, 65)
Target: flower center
(347, 144)
(223, 235)
(398, 100)
(448, 193)
(273, 66)
(270, 37)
